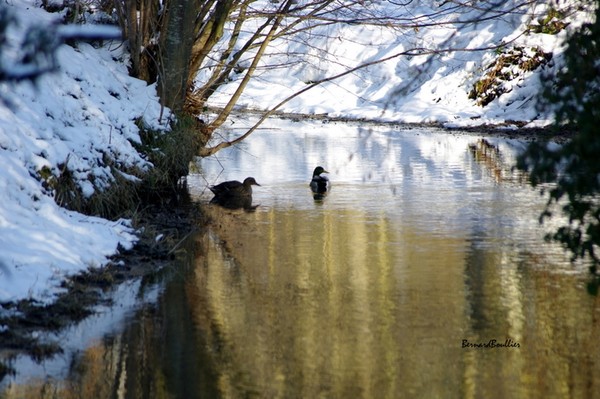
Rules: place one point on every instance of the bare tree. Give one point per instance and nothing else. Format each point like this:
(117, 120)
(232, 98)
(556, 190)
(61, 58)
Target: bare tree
(194, 47)
(140, 21)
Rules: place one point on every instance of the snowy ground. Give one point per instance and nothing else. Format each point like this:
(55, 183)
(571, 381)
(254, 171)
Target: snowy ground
(88, 109)
(73, 117)
(408, 88)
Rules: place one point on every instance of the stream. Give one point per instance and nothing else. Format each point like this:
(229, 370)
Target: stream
(422, 273)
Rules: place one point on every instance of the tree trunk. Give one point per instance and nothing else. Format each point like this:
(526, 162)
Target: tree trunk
(139, 20)
(175, 52)
(210, 35)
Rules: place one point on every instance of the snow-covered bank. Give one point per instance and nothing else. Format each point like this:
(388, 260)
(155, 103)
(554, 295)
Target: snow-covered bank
(74, 118)
(413, 88)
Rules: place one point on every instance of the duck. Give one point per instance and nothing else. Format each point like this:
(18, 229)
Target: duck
(234, 189)
(319, 184)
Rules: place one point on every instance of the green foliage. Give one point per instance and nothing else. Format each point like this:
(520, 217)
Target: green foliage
(573, 169)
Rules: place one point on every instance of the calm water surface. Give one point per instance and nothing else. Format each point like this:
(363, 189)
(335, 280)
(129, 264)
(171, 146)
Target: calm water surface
(427, 245)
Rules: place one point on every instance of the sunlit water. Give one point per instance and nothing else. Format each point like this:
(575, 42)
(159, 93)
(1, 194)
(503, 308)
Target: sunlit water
(427, 245)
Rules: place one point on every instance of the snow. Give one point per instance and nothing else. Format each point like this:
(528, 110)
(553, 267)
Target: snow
(70, 118)
(90, 107)
(410, 88)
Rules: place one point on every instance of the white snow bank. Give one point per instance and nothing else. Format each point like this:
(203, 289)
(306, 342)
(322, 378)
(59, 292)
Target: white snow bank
(72, 118)
(424, 86)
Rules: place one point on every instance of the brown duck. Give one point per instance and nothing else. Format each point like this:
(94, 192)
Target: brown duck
(233, 188)
(234, 195)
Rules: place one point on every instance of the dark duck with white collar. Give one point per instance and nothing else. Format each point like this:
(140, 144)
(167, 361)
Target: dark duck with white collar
(319, 185)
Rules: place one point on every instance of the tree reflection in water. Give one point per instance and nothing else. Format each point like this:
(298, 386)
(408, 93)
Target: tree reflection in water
(368, 294)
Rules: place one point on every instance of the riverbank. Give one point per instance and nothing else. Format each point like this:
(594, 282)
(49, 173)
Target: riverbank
(26, 323)
(508, 129)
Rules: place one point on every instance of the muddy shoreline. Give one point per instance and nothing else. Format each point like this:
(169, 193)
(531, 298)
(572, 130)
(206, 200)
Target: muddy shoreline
(163, 228)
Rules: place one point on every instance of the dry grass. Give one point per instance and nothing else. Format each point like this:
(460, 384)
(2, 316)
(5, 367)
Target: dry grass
(110, 202)
(170, 153)
(510, 65)
(551, 23)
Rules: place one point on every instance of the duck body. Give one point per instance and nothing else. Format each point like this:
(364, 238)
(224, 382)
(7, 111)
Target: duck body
(234, 188)
(234, 194)
(319, 185)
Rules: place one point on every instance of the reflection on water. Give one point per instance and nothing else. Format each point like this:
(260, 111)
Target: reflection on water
(234, 202)
(426, 247)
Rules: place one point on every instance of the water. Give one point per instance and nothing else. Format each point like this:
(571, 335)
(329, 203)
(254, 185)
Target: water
(427, 245)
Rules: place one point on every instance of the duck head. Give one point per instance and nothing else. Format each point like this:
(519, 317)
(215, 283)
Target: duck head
(318, 170)
(250, 181)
